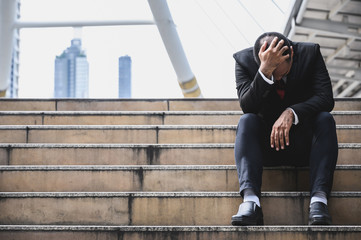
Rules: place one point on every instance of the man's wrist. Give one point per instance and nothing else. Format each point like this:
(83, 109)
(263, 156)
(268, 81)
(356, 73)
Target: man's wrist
(291, 114)
(268, 80)
(267, 72)
(295, 117)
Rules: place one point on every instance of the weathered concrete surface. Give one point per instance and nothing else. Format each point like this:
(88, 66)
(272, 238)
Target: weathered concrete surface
(142, 117)
(164, 209)
(140, 134)
(341, 104)
(179, 233)
(137, 154)
(160, 178)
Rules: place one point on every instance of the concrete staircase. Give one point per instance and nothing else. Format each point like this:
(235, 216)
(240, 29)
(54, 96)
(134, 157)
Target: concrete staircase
(154, 169)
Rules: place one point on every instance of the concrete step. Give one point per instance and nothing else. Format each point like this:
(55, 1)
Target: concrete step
(204, 104)
(161, 178)
(137, 154)
(142, 118)
(165, 209)
(139, 134)
(58, 232)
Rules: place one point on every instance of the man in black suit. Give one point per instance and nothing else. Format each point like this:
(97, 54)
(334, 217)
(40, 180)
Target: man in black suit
(285, 93)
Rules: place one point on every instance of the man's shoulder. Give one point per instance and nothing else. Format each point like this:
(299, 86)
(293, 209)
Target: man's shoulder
(305, 46)
(305, 52)
(243, 54)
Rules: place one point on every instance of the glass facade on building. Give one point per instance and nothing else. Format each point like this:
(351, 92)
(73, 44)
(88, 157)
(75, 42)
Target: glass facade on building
(72, 73)
(13, 90)
(125, 77)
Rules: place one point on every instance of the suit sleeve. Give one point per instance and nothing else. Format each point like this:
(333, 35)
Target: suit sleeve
(321, 99)
(251, 92)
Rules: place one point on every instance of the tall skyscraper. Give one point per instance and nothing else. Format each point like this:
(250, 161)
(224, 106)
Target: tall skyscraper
(72, 72)
(125, 77)
(13, 90)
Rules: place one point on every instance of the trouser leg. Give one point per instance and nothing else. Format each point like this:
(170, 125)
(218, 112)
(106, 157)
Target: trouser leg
(313, 143)
(248, 151)
(324, 152)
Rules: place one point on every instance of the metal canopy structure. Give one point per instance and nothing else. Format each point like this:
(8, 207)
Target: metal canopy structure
(336, 26)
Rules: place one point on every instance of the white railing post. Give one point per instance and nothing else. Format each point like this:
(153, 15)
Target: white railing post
(173, 45)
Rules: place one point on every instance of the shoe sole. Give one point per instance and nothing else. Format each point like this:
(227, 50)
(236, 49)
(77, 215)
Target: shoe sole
(319, 221)
(242, 221)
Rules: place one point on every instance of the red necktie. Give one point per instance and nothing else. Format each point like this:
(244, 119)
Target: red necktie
(280, 88)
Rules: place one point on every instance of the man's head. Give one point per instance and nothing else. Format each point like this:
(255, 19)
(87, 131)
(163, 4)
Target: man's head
(268, 37)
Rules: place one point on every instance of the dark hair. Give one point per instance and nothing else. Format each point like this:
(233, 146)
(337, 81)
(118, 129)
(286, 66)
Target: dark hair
(268, 37)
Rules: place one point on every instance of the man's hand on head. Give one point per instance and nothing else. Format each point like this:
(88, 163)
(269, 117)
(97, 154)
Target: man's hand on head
(272, 57)
(281, 129)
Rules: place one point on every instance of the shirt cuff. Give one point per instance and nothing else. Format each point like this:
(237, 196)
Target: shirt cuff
(296, 121)
(269, 81)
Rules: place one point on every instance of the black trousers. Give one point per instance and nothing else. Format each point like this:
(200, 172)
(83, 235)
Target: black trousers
(312, 143)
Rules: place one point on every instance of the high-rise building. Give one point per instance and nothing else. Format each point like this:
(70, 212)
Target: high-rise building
(72, 72)
(13, 90)
(125, 77)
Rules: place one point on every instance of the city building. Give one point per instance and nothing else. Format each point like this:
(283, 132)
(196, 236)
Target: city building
(125, 77)
(13, 90)
(72, 72)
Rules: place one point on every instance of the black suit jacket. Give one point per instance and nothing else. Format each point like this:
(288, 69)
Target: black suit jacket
(308, 88)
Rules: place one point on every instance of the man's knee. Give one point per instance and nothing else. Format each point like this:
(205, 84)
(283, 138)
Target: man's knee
(249, 123)
(249, 119)
(325, 120)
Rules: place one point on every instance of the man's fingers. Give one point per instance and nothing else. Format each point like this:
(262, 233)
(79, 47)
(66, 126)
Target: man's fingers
(287, 138)
(282, 142)
(280, 44)
(281, 130)
(276, 139)
(284, 58)
(263, 47)
(273, 43)
(283, 49)
(279, 139)
(272, 139)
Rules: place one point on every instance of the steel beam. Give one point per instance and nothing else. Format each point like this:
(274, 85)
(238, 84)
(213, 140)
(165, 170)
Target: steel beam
(292, 31)
(311, 37)
(339, 84)
(337, 67)
(348, 89)
(339, 50)
(287, 29)
(301, 11)
(337, 8)
(331, 27)
(340, 76)
(358, 94)
(29, 24)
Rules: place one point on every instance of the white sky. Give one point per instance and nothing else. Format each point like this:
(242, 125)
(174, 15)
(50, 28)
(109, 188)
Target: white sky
(210, 31)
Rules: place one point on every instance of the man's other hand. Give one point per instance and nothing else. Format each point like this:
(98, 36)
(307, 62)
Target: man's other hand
(272, 57)
(281, 129)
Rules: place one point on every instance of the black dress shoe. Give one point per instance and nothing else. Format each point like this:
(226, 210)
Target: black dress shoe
(248, 214)
(319, 214)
